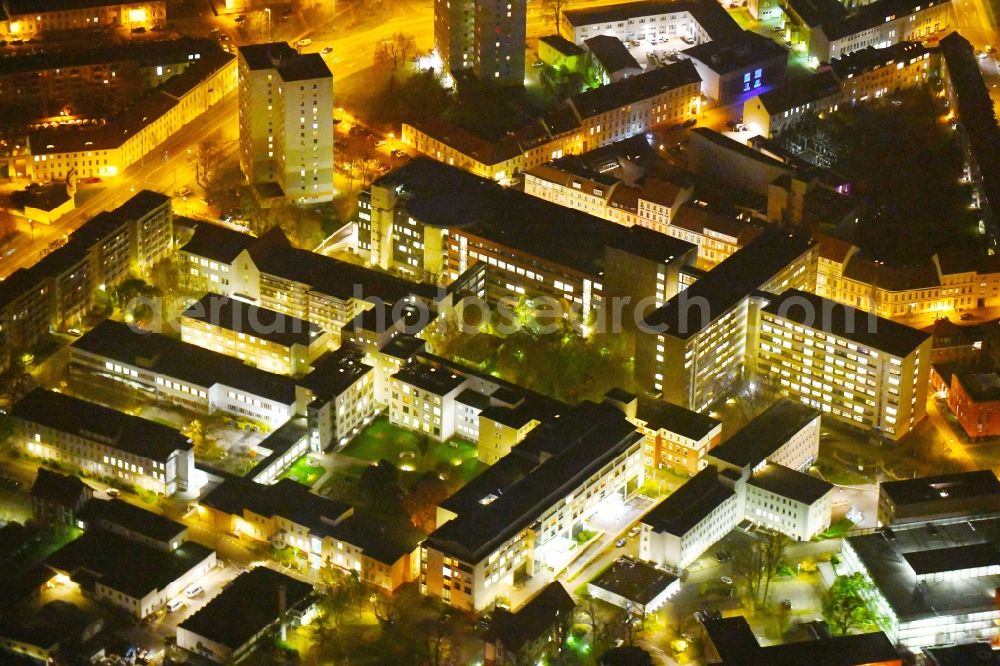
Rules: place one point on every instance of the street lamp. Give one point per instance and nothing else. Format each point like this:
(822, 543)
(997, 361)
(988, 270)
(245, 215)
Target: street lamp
(268, 10)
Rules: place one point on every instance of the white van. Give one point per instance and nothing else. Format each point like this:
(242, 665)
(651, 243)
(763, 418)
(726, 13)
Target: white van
(174, 604)
(193, 591)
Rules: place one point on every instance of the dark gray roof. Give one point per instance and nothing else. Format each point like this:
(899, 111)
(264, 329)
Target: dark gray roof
(242, 317)
(728, 283)
(15, 7)
(335, 372)
(709, 15)
(850, 323)
(186, 362)
(724, 56)
(764, 435)
(637, 582)
(132, 518)
(213, 241)
(956, 558)
(803, 91)
(871, 15)
(956, 486)
(611, 53)
(583, 443)
(690, 504)
(634, 89)
(979, 653)
(685, 422)
(563, 45)
(291, 65)
(249, 605)
(789, 483)
(858, 62)
(145, 53)
(652, 245)
(113, 560)
(430, 378)
(89, 420)
(64, 489)
(531, 621)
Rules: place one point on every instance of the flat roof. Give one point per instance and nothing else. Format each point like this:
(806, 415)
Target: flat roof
(749, 49)
(661, 415)
(143, 52)
(290, 64)
(133, 518)
(585, 440)
(63, 489)
(765, 434)
(957, 486)
(241, 317)
(186, 362)
(884, 556)
(532, 620)
(16, 7)
(250, 604)
(723, 287)
(790, 483)
(866, 59)
(847, 322)
(981, 386)
(125, 565)
(335, 372)
(652, 245)
(868, 16)
(430, 378)
(979, 653)
(94, 422)
(52, 624)
(635, 581)
(956, 558)
(611, 53)
(690, 504)
(563, 45)
(800, 92)
(737, 645)
(710, 15)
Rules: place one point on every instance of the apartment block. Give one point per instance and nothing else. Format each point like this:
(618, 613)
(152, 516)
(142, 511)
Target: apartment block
(517, 517)
(270, 273)
(176, 372)
(320, 530)
(790, 502)
(486, 38)
(59, 290)
(786, 433)
(263, 338)
(675, 438)
(129, 136)
(862, 76)
(699, 343)
(651, 19)
(858, 368)
(286, 137)
(343, 397)
(56, 499)
(23, 19)
(102, 442)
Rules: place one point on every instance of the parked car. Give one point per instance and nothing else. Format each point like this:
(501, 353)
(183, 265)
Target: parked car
(75, 332)
(113, 492)
(690, 122)
(632, 532)
(183, 193)
(620, 543)
(193, 591)
(240, 19)
(305, 41)
(967, 316)
(538, 63)
(93, 179)
(287, 13)
(398, 153)
(175, 604)
(327, 50)
(380, 143)
(139, 30)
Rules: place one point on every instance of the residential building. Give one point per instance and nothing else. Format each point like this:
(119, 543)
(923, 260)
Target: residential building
(730, 70)
(939, 497)
(587, 120)
(106, 150)
(934, 583)
(980, 136)
(286, 137)
(651, 19)
(729, 641)
(560, 53)
(858, 368)
(974, 399)
(134, 523)
(783, 500)
(56, 499)
(207, 257)
(675, 438)
(176, 372)
(610, 60)
(517, 517)
(717, 235)
(862, 76)
(257, 602)
(106, 561)
(263, 338)
(486, 38)
(976, 653)
(525, 634)
(60, 289)
(322, 531)
(343, 397)
(786, 433)
(52, 633)
(693, 348)
(23, 19)
(102, 442)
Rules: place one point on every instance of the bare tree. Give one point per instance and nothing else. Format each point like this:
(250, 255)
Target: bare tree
(757, 564)
(553, 9)
(207, 158)
(395, 51)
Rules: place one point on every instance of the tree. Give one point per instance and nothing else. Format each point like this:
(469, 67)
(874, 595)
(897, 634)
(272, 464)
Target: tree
(757, 564)
(845, 605)
(552, 9)
(204, 434)
(207, 157)
(421, 502)
(395, 51)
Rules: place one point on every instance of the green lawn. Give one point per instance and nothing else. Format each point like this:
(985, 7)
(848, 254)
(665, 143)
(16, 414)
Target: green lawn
(304, 473)
(382, 440)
